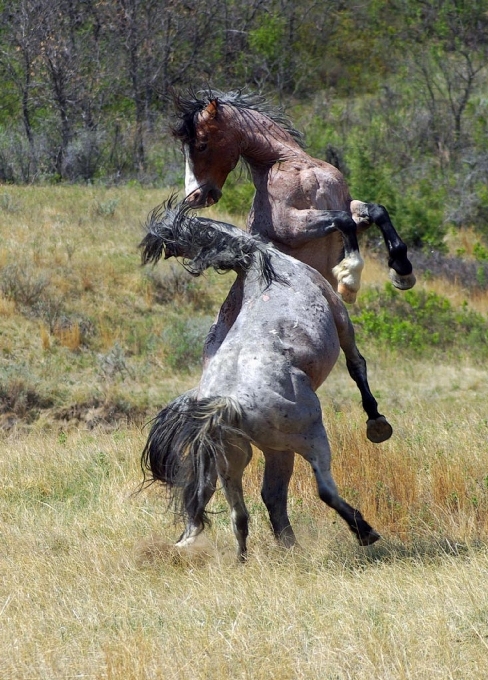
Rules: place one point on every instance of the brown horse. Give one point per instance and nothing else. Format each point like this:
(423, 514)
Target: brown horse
(301, 204)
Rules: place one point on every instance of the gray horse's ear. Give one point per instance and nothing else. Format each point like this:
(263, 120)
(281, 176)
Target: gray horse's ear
(210, 111)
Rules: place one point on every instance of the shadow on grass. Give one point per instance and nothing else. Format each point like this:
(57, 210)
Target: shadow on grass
(424, 550)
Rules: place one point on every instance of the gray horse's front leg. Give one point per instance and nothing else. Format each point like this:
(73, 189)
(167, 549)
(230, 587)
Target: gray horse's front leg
(366, 214)
(315, 449)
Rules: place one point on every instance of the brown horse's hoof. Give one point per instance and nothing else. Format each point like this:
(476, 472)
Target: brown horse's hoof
(347, 294)
(370, 538)
(402, 282)
(378, 430)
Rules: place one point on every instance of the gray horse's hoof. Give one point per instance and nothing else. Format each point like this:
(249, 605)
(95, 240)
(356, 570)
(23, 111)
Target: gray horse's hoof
(370, 538)
(378, 430)
(402, 282)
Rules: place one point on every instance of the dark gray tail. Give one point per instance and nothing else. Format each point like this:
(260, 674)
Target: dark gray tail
(181, 448)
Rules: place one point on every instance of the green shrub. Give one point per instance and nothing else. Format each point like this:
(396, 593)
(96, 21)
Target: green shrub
(419, 320)
(184, 340)
(237, 194)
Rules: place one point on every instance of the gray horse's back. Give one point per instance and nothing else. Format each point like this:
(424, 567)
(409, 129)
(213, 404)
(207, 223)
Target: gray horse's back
(283, 345)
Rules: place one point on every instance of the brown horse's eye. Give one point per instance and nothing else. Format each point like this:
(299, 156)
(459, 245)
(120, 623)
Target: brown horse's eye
(201, 147)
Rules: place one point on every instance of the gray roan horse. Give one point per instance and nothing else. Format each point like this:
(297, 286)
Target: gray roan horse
(259, 386)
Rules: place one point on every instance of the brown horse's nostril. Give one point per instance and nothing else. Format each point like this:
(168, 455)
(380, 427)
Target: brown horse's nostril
(213, 196)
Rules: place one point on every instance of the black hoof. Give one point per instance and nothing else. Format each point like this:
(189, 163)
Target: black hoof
(402, 281)
(378, 430)
(371, 537)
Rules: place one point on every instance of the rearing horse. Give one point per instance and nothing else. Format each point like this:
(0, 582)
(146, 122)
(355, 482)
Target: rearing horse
(259, 387)
(301, 204)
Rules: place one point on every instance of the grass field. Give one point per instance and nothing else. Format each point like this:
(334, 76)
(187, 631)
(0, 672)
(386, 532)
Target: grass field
(89, 585)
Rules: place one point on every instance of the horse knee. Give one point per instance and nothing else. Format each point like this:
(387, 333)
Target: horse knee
(360, 214)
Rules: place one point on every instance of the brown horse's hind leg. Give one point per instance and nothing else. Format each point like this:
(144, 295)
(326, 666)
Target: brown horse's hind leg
(278, 469)
(366, 214)
(317, 451)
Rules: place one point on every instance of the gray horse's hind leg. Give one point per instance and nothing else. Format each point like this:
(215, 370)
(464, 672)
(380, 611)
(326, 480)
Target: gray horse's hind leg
(366, 214)
(316, 451)
(278, 470)
(194, 523)
(230, 469)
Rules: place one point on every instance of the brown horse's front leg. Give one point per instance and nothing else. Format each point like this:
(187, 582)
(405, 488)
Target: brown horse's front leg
(303, 226)
(227, 315)
(366, 214)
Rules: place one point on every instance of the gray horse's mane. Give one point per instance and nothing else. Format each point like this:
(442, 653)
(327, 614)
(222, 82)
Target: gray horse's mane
(203, 243)
(187, 108)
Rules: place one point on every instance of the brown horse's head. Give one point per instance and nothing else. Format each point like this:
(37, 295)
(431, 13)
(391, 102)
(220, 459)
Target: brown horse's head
(211, 149)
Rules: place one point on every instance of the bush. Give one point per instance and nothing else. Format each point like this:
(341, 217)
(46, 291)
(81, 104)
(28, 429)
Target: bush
(184, 340)
(237, 194)
(22, 285)
(176, 285)
(21, 395)
(417, 321)
(469, 274)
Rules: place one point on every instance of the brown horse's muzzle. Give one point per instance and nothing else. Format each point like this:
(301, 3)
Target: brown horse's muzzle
(203, 197)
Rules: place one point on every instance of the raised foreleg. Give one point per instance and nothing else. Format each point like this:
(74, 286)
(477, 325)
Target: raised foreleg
(303, 226)
(378, 429)
(366, 214)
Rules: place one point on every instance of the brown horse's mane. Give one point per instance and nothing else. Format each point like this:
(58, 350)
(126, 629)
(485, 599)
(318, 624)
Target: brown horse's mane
(187, 107)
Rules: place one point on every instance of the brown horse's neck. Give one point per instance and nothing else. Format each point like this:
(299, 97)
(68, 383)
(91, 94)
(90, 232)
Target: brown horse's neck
(262, 141)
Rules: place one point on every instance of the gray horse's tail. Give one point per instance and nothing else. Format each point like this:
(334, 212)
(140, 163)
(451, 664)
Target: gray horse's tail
(203, 243)
(183, 443)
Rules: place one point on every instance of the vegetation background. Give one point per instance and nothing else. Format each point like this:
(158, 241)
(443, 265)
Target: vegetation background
(392, 93)
(91, 345)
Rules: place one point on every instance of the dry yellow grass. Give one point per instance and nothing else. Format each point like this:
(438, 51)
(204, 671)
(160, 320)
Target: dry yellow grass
(89, 589)
(90, 586)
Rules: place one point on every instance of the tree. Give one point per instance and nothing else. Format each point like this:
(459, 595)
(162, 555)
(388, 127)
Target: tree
(19, 57)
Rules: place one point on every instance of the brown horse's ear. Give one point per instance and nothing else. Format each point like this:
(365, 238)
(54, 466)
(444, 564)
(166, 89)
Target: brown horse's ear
(211, 110)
